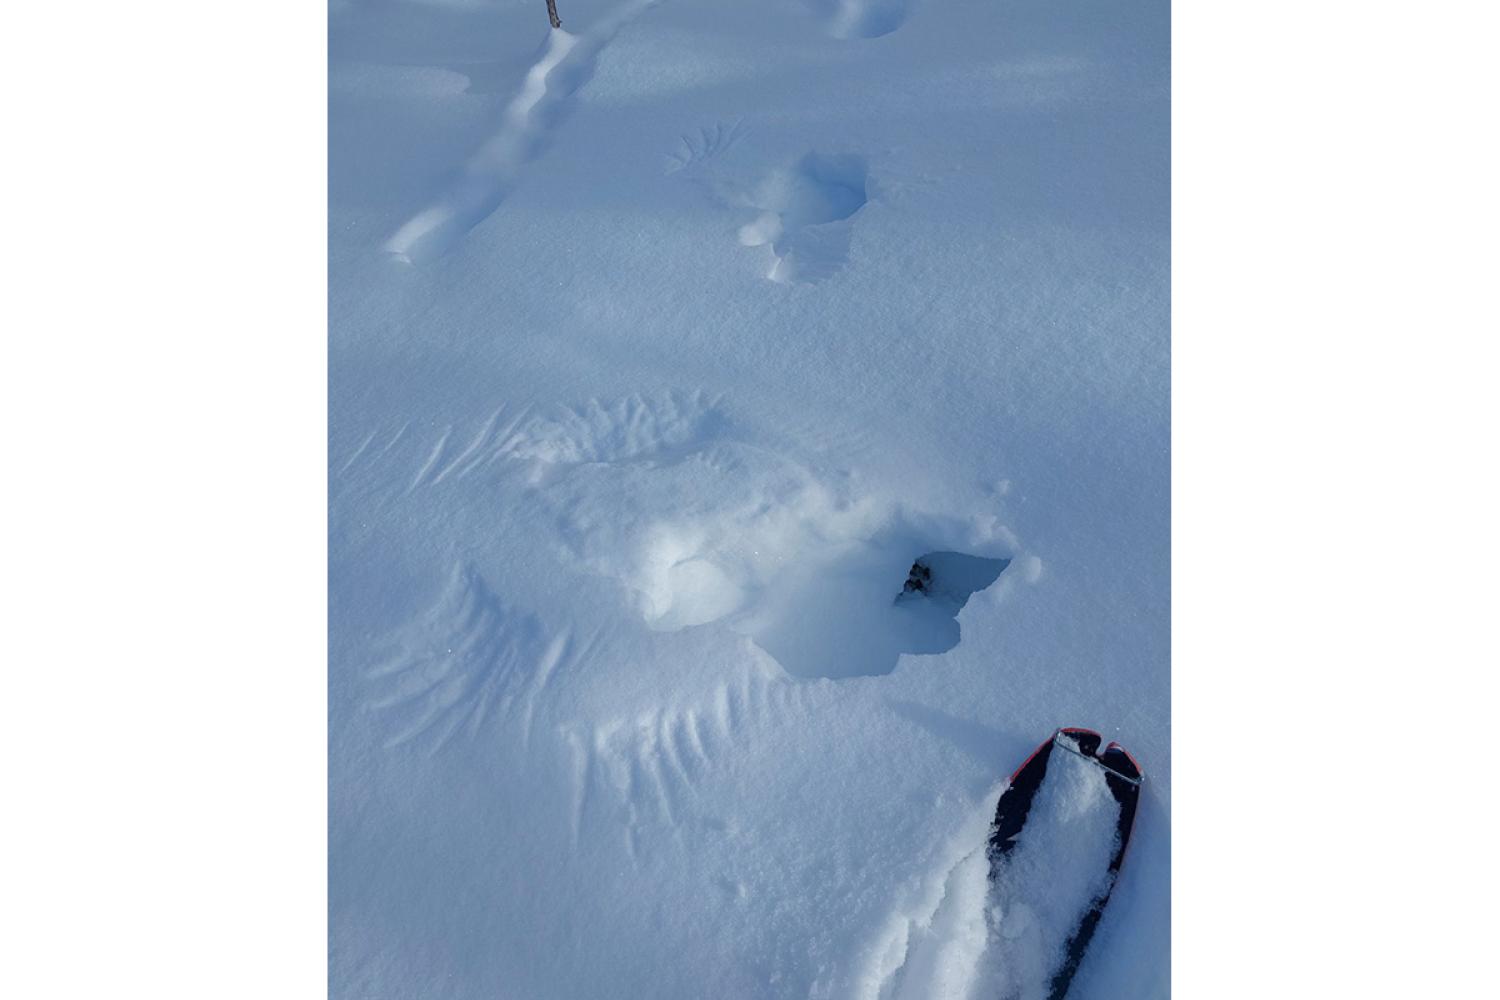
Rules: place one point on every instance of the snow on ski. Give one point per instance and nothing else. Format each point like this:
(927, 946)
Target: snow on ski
(1059, 837)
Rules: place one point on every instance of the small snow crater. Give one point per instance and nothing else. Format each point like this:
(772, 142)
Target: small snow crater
(694, 592)
(859, 19)
(843, 622)
(949, 578)
(868, 18)
(806, 216)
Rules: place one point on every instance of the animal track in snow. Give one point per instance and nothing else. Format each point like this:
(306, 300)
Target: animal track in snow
(863, 18)
(647, 770)
(699, 520)
(841, 619)
(696, 148)
(806, 216)
(643, 427)
(636, 428)
(567, 63)
(467, 660)
(754, 542)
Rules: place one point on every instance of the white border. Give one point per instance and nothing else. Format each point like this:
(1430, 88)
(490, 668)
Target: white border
(1334, 500)
(164, 412)
(1334, 507)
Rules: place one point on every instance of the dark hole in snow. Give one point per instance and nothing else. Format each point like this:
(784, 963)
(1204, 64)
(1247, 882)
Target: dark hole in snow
(918, 579)
(950, 578)
(843, 623)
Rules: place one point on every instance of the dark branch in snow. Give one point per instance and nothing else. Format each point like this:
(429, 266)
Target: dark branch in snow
(552, 14)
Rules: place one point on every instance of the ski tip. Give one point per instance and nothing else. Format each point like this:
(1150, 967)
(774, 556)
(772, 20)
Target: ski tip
(1113, 758)
(1116, 751)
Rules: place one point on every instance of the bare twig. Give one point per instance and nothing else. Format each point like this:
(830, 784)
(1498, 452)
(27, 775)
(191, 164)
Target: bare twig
(552, 14)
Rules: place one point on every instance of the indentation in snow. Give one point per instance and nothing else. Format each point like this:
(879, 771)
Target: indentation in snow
(638, 427)
(863, 18)
(704, 521)
(567, 62)
(838, 619)
(806, 216)
(470, 660)
(817, 587)
(697, 148)
(463, 661)
(696, 591)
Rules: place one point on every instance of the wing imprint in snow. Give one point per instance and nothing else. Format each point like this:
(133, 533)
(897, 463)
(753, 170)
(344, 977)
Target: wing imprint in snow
(463, 662)
(634, 429)
(696, 148)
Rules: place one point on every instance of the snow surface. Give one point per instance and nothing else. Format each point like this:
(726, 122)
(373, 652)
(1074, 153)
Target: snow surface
(660, 348)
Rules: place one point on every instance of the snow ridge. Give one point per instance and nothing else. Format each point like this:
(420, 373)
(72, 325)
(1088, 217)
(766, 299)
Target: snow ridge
(566, 63)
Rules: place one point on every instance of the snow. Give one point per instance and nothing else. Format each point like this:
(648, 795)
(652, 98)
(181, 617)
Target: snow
(661, 348)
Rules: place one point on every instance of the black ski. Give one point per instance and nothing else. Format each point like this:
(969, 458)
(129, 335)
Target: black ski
(1123, 777)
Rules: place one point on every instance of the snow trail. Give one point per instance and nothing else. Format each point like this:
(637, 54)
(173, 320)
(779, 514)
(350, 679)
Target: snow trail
(566, 64)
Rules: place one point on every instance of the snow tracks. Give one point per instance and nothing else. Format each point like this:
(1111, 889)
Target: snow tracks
(566, 63)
